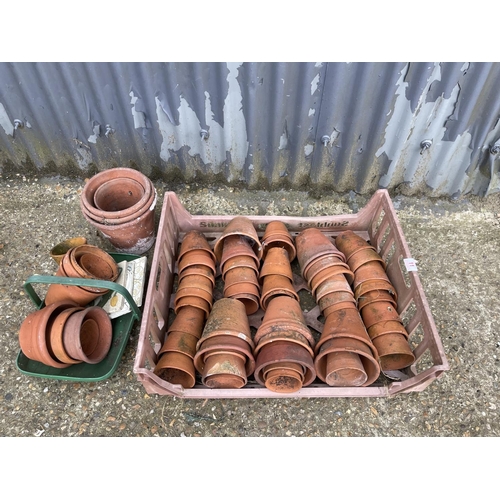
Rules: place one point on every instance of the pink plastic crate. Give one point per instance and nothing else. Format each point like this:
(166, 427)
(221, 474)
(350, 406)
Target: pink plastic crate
(376, 222)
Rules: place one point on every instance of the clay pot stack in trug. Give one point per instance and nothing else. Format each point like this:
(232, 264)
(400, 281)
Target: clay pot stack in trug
(377, 302)
(344, 355)
(84, 261)
(64, 333)
(224, 355)
(120, 203)
(239, 251)
(284, 347)
(277, 235)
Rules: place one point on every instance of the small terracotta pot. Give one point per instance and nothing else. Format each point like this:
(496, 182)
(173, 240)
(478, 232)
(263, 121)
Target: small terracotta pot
(277, 235)
(224, 371)
(394, 352)
(324, 262)
(56, 336)
(196, 258)
(119, 195)
(90, 262)
(337, 307)
(239, 226)
(87, 335)
(34, 334)
(378, 312)
(241, 275)
(345, 369)
(286, 352)
(283, 380)
(225, 343)
(385, 327)
(370, 363)
(237, 246)
(312, 244)
(348, 242)
(276, 263)
(370, 271)
(57, 252)
(180, 342)
(329, 284)
(363, 256)
(336, 297)
(197, 281)
(239, 261)
(376, 296)
(249, 300)
(198, 270)
(372, 285)
(195, 240)
(188, 320)
(193, 302)
(296, 367)
(192, 292)
(275, 285)
(176, 368)
(283, 334)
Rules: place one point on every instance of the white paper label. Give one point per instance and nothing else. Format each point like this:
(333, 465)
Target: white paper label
(411, 265)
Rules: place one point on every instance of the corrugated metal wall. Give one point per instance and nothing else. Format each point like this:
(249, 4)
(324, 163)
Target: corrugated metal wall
(342, 126)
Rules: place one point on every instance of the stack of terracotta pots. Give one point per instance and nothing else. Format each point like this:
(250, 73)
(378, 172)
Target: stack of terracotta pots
(276, 276)
(120, 203)
(377, 302)
(175, 359)
(64, 333)
(84, 261)
(277, 235)
(239, 252)
(344, 355)
(284, 347)
(224, 355)
(196, 271)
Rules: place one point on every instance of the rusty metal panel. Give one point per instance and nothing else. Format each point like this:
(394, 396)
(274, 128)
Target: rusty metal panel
(422, 127)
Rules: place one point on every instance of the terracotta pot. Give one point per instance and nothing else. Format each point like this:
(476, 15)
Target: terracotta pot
(195, 240)
(237, 246)
(345, 369)
(283, 380)
(370, 271)
(286, 352)
(376, 296)
(89, 261)
(370, 363)
(198, 270)
(225, 343)
(56, 336)
(276, 235)
(58, 251)
(394, 352)
(180, 342)
(87, 335)
(227, 315)
(241, 275)
(385, 327)
(120, 195)
(324, 262)
(34, 336)
(378, 312)
(275, 285)
(348, 242)
(336, 297)
(188, 320)
(196, 258)
(224, 371)
(80, 295)
(197, 281)
(326, 284)
(136, 236)
(284, 312)
(241, 288)
(363, 256)
(337, 307)
(176, 368)
(239, 226)
(276, 263)
(184, 292)
(312, 244)
(239, 261)
(193, 302)
(344, 323)
(118, 176)
(283, 334)
(372, 285)
(250, 301)
(296, 367)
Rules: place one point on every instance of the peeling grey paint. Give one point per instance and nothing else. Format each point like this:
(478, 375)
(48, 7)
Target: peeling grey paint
(139, 116)
(5, 121)
(97, 132)
(315, 84)
(308, 149)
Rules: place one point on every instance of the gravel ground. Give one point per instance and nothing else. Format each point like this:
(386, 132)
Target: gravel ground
(456, 246)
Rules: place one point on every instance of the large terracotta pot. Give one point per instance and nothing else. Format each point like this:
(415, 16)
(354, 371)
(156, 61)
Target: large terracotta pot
(119, 195)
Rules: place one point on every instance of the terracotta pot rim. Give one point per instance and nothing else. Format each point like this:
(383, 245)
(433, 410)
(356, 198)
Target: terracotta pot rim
(242, 226)
(178, 365)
